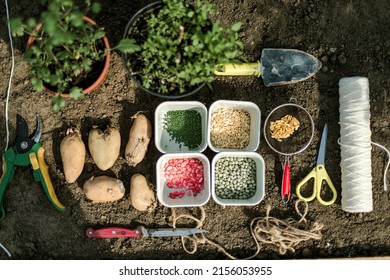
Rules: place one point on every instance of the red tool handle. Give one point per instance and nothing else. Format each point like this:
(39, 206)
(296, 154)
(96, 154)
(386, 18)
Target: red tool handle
(113, 232)
(286, 183)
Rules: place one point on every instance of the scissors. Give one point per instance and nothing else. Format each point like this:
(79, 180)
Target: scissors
(319, 174)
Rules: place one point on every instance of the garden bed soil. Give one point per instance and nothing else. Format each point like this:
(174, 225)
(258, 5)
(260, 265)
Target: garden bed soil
(350, 37)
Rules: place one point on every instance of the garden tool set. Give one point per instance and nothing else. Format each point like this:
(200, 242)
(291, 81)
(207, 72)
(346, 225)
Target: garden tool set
(276, 66)
(27, 152)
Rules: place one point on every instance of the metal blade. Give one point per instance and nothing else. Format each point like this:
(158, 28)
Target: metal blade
(287, 66)
(23, 142)
(36, 135)
(22, 131)
(172, 232)
(322, 150)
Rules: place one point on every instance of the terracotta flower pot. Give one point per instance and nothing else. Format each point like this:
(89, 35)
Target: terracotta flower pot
(98, 82)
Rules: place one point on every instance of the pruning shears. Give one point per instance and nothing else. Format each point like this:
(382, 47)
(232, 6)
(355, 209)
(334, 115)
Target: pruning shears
(27, 152)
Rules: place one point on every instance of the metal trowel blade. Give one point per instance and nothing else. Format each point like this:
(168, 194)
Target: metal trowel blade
(287, 66)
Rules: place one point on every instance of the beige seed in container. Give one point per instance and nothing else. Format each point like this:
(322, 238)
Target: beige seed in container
(284, 127)
(230, 128)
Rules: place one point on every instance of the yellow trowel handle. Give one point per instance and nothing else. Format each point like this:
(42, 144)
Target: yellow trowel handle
(245, 69)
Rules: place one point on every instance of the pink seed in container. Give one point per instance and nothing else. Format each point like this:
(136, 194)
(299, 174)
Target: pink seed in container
(186, 174)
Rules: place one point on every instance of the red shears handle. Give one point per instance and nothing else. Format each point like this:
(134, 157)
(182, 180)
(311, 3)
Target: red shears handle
(286, 183)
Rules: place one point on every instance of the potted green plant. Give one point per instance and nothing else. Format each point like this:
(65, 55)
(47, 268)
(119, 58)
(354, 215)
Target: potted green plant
(174, 47)
(67, 53)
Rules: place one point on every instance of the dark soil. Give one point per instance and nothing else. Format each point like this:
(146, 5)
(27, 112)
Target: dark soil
(350, 37)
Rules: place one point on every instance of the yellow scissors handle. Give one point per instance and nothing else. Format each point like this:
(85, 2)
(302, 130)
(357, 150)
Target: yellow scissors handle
(304, 181)
(319, 174)
(322, 175)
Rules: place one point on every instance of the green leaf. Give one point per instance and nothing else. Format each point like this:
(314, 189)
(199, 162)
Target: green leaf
(16, 25)
(66, 3)
(49, 21)
(96, 8)
(54, 79)
(216, 28)
(58, 103)
(236, 27)
(76, 18)
(232, 54)
(128, 46)
(31, 23)
(76, 93)
(86, 65)
(190, 14)
(44, 74)
(62, 55)
(37, 84)
(98, 34)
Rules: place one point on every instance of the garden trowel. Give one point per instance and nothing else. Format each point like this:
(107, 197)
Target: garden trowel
(276, 66)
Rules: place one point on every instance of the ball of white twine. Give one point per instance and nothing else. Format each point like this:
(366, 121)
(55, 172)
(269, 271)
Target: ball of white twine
(355, 143)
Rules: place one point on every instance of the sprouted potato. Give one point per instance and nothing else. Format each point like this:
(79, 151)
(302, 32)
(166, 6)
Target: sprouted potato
(73, 153)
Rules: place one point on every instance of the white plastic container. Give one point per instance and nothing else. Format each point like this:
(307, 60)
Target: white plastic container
(163, 190)
(163, 140)
(255, 119)
(260, 179)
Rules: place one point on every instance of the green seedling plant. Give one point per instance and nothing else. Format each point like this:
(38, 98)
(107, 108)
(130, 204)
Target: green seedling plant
(64, 50)
(180, 47)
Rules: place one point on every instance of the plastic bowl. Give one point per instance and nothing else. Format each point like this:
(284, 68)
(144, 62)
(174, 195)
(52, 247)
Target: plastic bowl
(260, 179)
(163, 140)
(255, 117)
(163, 191)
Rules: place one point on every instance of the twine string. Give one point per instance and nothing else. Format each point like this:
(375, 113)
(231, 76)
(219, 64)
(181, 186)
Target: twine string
(281, 235)
(7, 96)
(355, 145)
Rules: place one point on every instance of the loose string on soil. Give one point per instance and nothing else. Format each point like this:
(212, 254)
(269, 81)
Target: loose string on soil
(8, 94)
(5, 250)
(282, 235)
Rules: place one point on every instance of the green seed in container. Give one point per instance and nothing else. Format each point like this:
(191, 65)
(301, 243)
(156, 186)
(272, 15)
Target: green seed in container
(184, 127)
(238, 180)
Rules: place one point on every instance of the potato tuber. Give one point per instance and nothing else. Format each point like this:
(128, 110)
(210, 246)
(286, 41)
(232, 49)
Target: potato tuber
(104, 189)
(104, 146)
(142, 196)
(73, 152)
(139, 138)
